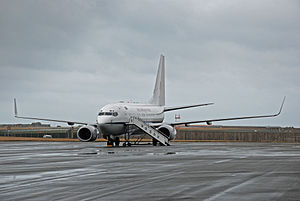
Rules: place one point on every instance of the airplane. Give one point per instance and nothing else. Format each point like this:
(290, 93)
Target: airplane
(115, 120)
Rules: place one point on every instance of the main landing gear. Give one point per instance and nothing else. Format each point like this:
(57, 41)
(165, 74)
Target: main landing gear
(154, 142)
(127, 143)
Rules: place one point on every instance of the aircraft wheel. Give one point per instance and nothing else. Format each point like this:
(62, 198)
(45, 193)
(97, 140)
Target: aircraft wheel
(117, 141)
(124, 144)
(110, 143)
(154, 142)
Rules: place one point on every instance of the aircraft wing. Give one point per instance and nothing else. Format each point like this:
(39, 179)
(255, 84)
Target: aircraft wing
(44, 119)
(166, 109)
(209, 121)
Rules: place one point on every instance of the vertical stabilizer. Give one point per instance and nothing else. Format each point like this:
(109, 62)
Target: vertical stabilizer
(158, 97)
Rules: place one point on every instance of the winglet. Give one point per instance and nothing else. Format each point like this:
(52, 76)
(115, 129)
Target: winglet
(281, 106)
(15, 107)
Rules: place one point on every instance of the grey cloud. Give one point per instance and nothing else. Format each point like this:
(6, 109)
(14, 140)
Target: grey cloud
(67, 59)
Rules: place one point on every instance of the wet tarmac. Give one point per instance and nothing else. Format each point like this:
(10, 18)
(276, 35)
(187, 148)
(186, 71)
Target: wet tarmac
(183, 171)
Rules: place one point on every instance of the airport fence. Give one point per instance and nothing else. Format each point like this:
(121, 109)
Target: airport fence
(38, 133)
(242, 134)
(192, 133)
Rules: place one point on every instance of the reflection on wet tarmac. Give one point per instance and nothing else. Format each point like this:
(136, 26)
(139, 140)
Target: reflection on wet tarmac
(191, 171)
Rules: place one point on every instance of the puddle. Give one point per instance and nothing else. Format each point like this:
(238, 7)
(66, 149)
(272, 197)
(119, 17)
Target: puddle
(170, 153)
(89, 153)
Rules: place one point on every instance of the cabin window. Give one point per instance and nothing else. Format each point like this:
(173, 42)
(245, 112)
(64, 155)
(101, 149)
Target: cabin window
(115, 114)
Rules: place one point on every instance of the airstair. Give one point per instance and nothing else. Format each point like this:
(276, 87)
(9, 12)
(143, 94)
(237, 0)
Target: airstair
(156, 134)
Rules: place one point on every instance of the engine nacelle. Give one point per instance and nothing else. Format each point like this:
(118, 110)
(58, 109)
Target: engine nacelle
(87, 133)
(168, 130)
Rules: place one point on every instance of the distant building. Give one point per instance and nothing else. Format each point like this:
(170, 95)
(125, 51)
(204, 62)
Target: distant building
(34, 124)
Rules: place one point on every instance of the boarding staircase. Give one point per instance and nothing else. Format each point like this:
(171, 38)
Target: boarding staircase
(156, 134)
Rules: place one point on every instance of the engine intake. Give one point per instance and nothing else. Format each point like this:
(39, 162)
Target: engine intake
(87, 133)
(169, 131)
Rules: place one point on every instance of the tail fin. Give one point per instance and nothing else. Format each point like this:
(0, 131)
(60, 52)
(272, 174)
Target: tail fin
(158, 97)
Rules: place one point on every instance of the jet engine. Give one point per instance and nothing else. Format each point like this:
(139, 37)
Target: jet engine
(87, 133)
(168, 130)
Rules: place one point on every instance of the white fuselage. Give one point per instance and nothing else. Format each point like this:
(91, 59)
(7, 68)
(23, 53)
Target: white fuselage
(112, 118)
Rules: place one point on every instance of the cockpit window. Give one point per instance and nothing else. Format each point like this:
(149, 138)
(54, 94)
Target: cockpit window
(108, 114)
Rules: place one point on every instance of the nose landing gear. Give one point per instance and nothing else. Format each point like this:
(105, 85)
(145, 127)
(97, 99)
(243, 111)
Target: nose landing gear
(112, 143)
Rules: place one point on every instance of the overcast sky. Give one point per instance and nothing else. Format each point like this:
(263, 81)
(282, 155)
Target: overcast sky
(66, 59)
